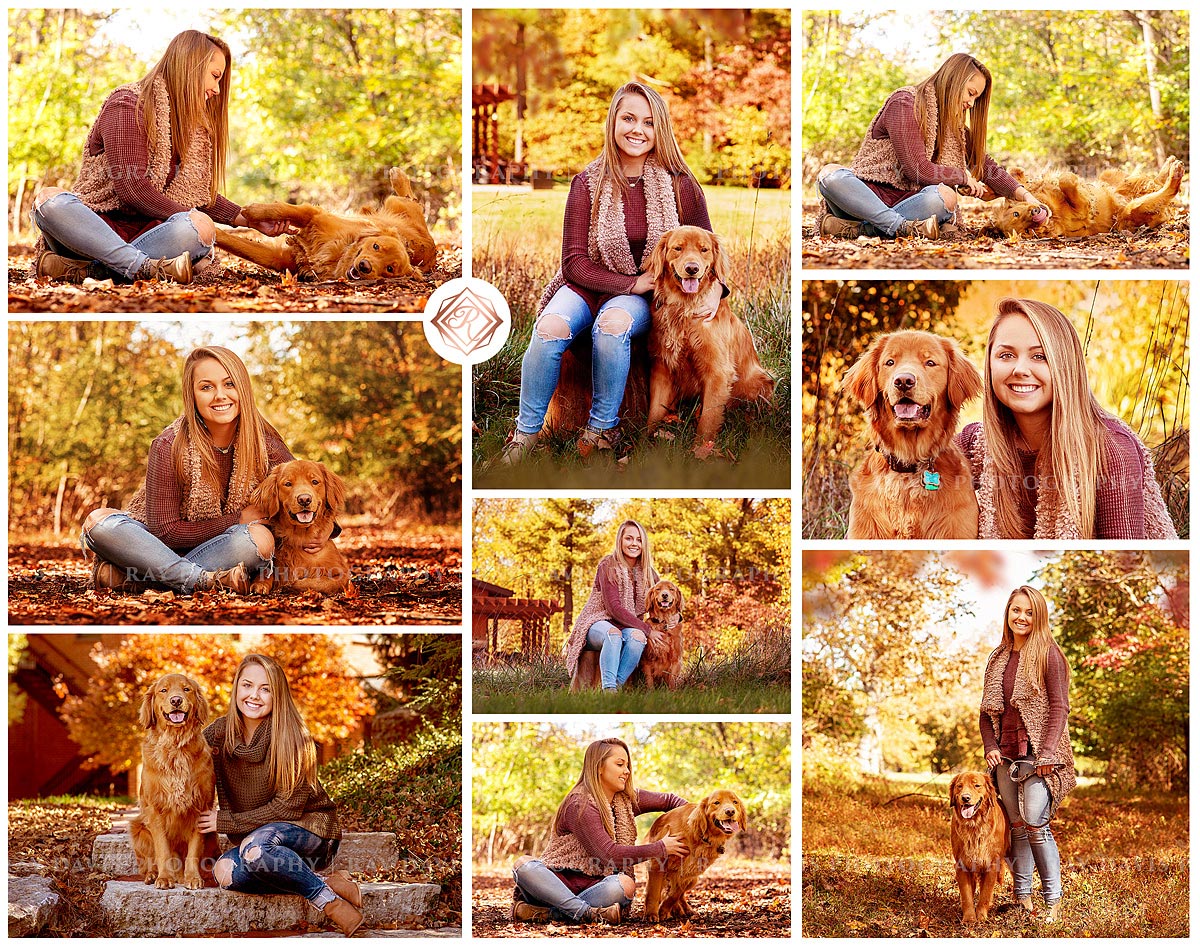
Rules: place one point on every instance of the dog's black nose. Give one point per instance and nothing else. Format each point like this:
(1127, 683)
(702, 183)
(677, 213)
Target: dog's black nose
(364, 266)
(177, 701)
(905, 382)
(692, 268)
(304, 500)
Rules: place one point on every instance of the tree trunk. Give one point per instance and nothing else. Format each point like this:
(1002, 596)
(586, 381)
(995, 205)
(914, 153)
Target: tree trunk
(1150, 50)
(522, 80)
(870, 747)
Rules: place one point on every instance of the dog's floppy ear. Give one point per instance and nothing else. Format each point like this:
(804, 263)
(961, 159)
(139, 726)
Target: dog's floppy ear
(335, 490)
(266, 496)
(965, 382)
(658, 259)
(201, 702)
(146, 715)
(741, 807)
(861, 382)
(720, 259)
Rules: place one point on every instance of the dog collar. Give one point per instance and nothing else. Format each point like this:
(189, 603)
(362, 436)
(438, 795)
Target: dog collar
(930, 478)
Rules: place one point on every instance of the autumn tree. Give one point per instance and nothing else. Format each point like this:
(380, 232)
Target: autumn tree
(1121, 620)
(872, 627)
(103, 719)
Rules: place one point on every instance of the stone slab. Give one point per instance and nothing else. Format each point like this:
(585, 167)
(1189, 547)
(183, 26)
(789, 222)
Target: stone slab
(32, 905)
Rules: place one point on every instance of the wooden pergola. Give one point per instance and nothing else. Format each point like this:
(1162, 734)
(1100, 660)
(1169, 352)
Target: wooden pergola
(486, 163)
(491, 604)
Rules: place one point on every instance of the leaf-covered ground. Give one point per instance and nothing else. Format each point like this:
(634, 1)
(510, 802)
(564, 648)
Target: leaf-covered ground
(398, 579)
(743, 900)
(980, 248)
(233, 285)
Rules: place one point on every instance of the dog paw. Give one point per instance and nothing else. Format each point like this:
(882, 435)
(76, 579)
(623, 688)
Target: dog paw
(193, 882)
(261, 587)
(164, 883)
(150, 878)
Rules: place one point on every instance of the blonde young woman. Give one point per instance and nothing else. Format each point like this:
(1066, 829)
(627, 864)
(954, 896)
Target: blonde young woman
(147, 193)
(270, 803)
(1048, 462)
(925, 144)
(586, 874)
(618, 208)
(1024, 715)
(191, 526)
(611, 620)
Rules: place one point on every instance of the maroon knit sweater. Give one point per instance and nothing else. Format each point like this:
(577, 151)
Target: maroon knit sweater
(164, 494)
(119, 135)
(585, 823)
(1014, 740)
(1120, 508)
(898, 122)
(589, 279)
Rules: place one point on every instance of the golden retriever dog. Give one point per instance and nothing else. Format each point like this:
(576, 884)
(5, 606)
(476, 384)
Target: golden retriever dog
(692, 355)
(375, 244)
(705, 827)
(664, 612)
(177, 785)
(979, 839)
(915, 483)
(301, 500)
(1076, 208)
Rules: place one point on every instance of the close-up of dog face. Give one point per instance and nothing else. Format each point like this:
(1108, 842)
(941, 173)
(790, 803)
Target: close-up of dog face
(913, 380)
(968, 792)
(724, 811)
(665, 598)
(378, 256)
(688, 256)
(173, 700)
(300, 491)
(1015, 216)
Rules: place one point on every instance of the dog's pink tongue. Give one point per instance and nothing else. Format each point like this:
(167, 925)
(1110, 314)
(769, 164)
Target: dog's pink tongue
(690, 285)
(305, 515)
(907, 410)
(969, 811)
(177, 717)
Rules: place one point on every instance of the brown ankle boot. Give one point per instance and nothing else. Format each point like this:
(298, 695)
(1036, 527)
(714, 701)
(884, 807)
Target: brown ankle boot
(106, 575)
(66, 269)
(235, 579)
(345, 916)
(177, 270)
(341, 883)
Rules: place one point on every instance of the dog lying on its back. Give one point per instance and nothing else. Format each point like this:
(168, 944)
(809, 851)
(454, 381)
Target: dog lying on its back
(374, 244)
(1071, 207)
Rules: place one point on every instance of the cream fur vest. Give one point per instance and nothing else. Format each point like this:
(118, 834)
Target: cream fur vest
(201, 502)
(1034, 707)
(192, 185)
(608, 244)
(877, 161)
(566, 852)
(1052, 518)
(633, 596)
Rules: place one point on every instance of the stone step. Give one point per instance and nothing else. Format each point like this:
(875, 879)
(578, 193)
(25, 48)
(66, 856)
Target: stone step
(32, 904)
(365, 852)
(137, 909)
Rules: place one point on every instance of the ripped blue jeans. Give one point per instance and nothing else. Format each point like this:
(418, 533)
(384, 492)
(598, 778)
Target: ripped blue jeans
(539, 885)
(610, 355)
(1030, 846)
(620, 650)
(121, 540)
(279, 858)
(72, 228)
(848, 197)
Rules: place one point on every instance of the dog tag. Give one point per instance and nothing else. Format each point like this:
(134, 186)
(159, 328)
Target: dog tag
(932, 479)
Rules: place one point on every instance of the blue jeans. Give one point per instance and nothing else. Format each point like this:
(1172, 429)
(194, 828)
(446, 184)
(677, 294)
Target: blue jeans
(123, 541)
(620, 650)
(281, 858)
(848, 197)
(71, 228)
(1030, 846)
(541, 887)
(610, 358)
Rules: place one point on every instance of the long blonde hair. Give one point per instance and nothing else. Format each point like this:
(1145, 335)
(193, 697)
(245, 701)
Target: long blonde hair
(589, 782)
(948, 83)
(250, 441)
(1037, 649)
(182, 68)
(666, 148)
(1076, 438)
(647, 560)
(292, 760)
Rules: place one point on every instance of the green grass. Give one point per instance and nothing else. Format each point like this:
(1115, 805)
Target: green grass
(877, 862)
(106, 803)
(517, 240)
(755, 679)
